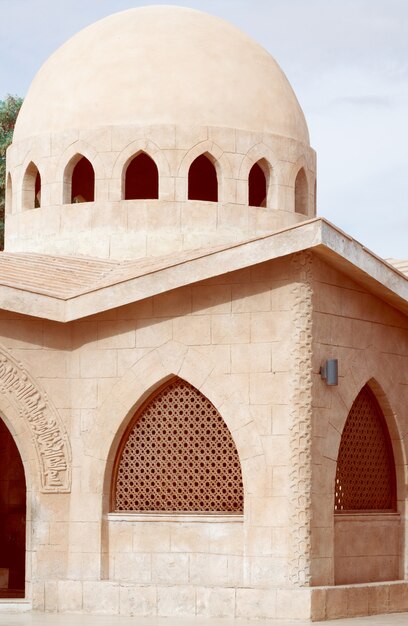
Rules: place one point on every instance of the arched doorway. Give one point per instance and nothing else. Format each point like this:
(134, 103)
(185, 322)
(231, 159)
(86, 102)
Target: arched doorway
(12, 517)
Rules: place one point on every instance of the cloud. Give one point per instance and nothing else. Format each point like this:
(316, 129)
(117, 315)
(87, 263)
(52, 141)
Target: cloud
(363, 101)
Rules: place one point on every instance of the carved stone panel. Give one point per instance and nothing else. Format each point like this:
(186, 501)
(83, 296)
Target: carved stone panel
(301, 422)
(48, 432)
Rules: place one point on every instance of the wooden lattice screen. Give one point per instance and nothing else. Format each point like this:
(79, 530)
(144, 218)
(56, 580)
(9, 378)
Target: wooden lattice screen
(365, 476)
(178, 455)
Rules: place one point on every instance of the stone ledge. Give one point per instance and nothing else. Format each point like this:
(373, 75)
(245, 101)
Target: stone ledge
(357, 600)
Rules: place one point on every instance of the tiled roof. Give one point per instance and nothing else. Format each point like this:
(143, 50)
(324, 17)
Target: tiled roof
(400, 265)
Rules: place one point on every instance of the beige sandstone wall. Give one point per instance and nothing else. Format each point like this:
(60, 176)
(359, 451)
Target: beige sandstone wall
(245, 340)
(370, 341)
(233, 338)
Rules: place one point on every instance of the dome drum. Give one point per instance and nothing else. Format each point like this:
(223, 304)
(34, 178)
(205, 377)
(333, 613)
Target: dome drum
(113, 226)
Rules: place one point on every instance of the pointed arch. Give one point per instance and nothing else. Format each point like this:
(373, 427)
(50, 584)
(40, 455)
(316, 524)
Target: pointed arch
(258, 183)
(177, 455)
(365, 475)
(301, 192)
(202, 179)
(79, 180)
(31, 191)
(141, 178)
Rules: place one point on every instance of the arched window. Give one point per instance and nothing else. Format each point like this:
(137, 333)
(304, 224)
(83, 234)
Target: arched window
(79, 181)
(31, 187)
(365, 476)
(177, 455)
(258, 185)
(141, 178)
(202, 180)
(9, 194)
(301, 192)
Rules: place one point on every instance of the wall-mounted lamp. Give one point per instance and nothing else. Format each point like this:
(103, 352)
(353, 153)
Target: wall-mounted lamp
(329, 371)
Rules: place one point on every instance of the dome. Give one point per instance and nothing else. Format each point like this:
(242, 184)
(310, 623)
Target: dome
(161, 65)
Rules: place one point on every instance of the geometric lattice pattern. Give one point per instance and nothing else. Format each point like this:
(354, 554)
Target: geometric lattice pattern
(365, 476)
(178, 456)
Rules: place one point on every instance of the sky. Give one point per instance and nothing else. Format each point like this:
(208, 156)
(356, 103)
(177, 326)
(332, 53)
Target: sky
(347, 61)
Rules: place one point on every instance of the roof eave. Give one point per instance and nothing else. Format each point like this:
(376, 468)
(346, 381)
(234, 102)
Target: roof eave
(329, 242)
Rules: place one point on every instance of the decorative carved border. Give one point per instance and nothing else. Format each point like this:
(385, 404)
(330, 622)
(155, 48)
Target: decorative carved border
(301, 422)
(48, 432)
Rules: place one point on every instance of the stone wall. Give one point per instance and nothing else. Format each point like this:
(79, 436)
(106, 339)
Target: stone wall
(252, 342)
(370, 341)
(233, 338)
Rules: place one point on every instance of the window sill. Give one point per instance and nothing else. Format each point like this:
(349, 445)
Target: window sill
(186, 518)
(361, 516)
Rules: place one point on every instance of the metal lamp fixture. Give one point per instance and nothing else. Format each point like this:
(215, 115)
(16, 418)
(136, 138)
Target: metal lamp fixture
(329, 371)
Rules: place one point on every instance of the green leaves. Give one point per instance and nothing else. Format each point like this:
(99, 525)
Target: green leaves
(9, 109)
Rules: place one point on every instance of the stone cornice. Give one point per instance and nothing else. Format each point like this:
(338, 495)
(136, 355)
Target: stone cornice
(118, 284)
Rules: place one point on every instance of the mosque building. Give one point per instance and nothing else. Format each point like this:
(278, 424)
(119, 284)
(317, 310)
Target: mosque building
(203, 386)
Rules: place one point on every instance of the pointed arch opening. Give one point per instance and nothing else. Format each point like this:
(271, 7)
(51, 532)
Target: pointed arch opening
(202, 179)
(12, 517)
(177, 455)
(141, 178)
(31, 192)
(258, 183)
(301, 193)
(365, 474)
(79, 181)
(367, 526)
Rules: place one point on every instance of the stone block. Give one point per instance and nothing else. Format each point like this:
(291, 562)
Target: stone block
(398, 597)
(210, 569)
(116, 334)
(176, 601)
(293, 604)
(138, 600)
(38, 599)
(231, 328)
(51, 596)
(336, 602)
(69, 596)
(193, 330)
(101, 597)
(215, 602)
(357, 601)
(190, 537)
(214, 299)
(136, 567)
(150, 335)
(99, 364)
(255, 603)
(170, 568)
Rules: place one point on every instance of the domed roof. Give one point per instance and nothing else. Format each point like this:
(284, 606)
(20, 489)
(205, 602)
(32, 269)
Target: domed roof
(161, 65)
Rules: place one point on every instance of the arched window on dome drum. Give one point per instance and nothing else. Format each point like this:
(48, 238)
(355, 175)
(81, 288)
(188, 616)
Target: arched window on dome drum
(365, 475)
(141, 178)
(202, 180)
(82, 181)
(177, 455)
(31, 196)
(301, 192)
(258, 185)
